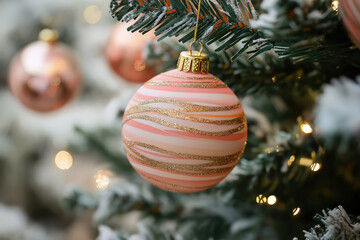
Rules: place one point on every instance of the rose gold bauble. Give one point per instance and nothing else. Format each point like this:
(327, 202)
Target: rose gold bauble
(44, 76)
(124, 52)
(184, 130)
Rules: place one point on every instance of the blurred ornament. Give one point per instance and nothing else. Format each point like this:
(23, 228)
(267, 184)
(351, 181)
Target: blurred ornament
(350, 12)
(184, 130)
(124, 52)
(44, 76)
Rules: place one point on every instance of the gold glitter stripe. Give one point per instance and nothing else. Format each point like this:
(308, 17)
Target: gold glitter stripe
(177, 113)
(218, 160)
(190, 107)
(172, 184)
(193, 78)
(184, 128)
(172, 84)
(196, 82)
(177, 168)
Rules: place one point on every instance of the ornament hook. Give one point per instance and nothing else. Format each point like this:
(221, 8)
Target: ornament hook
(201, 48)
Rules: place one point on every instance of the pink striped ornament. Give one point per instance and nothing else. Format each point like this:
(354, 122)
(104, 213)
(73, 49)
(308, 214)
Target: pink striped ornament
(350, 12)
(184, 132)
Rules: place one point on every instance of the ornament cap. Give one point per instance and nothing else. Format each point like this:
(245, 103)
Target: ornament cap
(195, 61)
(48, 35)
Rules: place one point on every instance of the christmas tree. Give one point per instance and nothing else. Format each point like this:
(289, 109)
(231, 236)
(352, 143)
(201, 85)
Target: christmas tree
(295, 67)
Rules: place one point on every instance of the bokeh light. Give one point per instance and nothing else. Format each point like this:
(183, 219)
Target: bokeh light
(335, 5)
(102, 179)
(63, 160)
(271, 200)
(92, 14)
(306, 128)
(315, 167)
(296, 211)
(260, 199)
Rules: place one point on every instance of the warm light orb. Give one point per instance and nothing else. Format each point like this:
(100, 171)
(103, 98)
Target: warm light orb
(260, 199)
(271, 200)
(315, 167)
(306, 128)
(92, 14)
(102, 179)
(305, 161)
(335, 5)
(63, 160)
(291, 160)
(296, 211)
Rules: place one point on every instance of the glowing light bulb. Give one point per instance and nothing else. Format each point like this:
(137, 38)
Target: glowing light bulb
(260, 199)
(271, 200)
(315, 167)
(305, 161)
(102, 179)
(306, 128)
(92, 14)
(291, 160)
(63, 160)
(296, 211)
(335, 5)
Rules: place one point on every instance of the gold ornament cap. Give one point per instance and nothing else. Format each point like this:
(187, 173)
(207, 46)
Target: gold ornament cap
(48, 35)
(195, 61)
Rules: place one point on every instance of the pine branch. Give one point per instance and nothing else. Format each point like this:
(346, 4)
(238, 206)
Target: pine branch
(335, 224)
(264, 74)
(94, 142)
(307, 31)
(227, 22)
(79, 200)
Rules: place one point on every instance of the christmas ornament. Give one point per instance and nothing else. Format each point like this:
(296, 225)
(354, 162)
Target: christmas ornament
(124, 53)
(44, 76)
(350, 12)
(184, 130)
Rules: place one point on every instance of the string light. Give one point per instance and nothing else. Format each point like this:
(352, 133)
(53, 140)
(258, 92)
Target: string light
(291, 160)
(260, 199)
(92, 14)
(305, 161)
(63, 160)
(335, 5)
(271, 200)
(315, 167)
(296, 211)
(277, 149)
(306, 128)
(102, 179)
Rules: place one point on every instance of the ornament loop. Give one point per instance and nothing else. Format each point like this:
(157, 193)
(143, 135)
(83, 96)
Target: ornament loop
(48, 35)
(201, 48)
